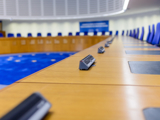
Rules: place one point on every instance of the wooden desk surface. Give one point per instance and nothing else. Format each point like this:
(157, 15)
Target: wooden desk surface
(86, 102)
(110, 68)
(108, 91)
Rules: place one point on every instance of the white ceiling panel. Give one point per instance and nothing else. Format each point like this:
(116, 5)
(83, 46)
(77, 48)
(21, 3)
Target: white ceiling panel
(93, 6)
(1, 7)
(48, 8)
(83, 7)
(60, 7)
(36, 9)
(11, 6)
(23, 6)
(72, 7)
(102, 5)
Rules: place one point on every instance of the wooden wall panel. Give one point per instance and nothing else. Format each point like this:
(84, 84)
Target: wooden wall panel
(48, 44)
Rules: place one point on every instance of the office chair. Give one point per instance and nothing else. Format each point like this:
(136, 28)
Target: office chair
(77, 33)
(49, 34)
(149, 33)
(39, 34)
(85, 33)
(1, 35)
(123, 33)
(137, 35)
(110, 32)
(95, 33)
(29, 34)
(117, 33)
(142, 34)
(152, 34)
(59, 34)
(69, 34)
(10, 35)
(18, 35)
(156, 38)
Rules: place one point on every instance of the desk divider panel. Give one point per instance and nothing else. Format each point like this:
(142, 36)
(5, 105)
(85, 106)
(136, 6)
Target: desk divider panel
(48, 44)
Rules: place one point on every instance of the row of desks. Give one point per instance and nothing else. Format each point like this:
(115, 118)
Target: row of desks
(48, 44)
(107, 91)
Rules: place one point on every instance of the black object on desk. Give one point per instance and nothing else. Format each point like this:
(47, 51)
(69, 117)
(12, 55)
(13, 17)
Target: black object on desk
(86, 62)
(152, 113)
(35, 107)
(101, 50)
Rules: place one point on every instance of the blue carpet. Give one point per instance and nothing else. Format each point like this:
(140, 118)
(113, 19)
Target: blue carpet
(17, 66)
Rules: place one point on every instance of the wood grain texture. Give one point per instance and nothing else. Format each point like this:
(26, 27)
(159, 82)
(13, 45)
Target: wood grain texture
(87, 102)
(107, 91)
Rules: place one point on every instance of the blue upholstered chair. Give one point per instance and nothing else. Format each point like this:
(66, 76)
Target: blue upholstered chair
(133, 32)
(10, 35)
(77, 33)
(110, 32)
(59, 34)
(39, 34)
(69, 34)
(156, 38)
(149, 33)
(95, 33)
(103, 32)
(18, 34)
(1, 35)
(127, 33)
(142, 34)
(85, 33)
(130, 33)
(117, 33)
(152, 34)
(137, 35)
(29, 34)
(123, 33)
(49, 34)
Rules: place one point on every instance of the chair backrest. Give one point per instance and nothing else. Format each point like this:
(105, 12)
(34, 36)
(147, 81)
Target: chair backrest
(117, 33)
(95, 33)
(110, 32)
(123, 33)
(142, 34)
(49, 34)
(69, 34)
(130, 33)
(77, 33)
(156, 38)
(85, 33)
(1, 35)
(10, 35)
(127, 33)
(133, 33)
(137, 35)
(18, 34)
(103, 32)
(39, 34)
(149, 33)
(29, 34)
(59, 34)
(152, 34)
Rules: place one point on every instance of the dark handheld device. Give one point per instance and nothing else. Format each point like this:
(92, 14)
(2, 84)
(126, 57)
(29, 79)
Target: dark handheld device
(87, 62)
(101, 50)
(34, 107)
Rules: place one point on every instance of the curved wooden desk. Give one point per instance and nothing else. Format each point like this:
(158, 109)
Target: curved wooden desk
(108, 91)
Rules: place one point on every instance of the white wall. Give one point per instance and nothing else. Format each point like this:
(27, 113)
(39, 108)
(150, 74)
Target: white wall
(116, 23)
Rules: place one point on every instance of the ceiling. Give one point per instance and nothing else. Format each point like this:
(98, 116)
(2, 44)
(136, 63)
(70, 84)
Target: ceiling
(72, 9)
